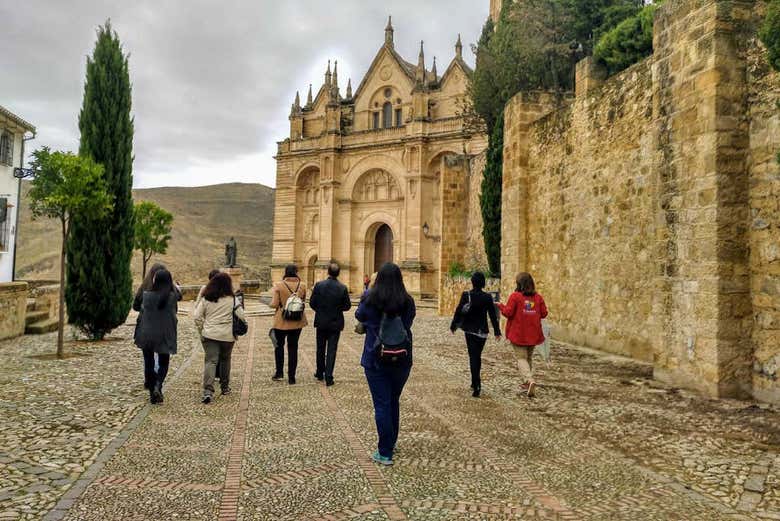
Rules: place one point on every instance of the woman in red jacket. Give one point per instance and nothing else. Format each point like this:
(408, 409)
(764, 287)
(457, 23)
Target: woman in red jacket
(525, 311)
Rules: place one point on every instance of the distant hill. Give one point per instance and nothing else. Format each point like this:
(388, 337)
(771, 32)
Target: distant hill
(204, 218)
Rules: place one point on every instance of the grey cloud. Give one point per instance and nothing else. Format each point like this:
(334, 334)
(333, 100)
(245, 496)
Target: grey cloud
(212, 81)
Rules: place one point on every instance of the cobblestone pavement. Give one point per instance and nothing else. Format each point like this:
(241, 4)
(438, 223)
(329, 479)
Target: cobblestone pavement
(601, 440)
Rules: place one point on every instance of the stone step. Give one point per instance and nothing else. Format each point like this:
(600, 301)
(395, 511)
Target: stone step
(35, 316)
(30, 304)
(42, 327)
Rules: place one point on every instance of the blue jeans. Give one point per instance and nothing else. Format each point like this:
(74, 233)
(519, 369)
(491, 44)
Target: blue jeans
(386, 385)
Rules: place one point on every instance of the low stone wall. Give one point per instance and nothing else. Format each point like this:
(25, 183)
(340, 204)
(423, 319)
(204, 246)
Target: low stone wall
(13, 309)
(452, 288)
(47, 297)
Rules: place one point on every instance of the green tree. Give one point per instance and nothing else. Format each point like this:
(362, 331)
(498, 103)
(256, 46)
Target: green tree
(769, 33)
(67, 187)
(152, 231)
(628, 42)
(99, 291)
(490, 198)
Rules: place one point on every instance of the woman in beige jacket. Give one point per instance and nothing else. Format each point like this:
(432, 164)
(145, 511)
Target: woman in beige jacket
(287, 330)
(214, 319)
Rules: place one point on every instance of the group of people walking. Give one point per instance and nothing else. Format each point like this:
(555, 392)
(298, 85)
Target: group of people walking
(386, 313)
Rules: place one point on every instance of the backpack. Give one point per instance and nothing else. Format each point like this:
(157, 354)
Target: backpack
(294, 306)
(393, 341)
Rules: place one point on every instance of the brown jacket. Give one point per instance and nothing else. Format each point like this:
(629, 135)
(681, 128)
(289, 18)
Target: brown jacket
(280, 296)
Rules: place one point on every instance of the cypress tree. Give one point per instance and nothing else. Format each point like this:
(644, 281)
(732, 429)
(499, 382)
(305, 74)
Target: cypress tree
(490, 199)
(99, 286)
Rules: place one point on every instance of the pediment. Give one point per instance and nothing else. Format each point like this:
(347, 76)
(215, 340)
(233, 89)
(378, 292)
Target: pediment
(387, 68)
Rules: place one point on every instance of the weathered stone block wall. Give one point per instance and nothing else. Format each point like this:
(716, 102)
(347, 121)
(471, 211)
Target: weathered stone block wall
(647, 207)
(13, 309)
(764, 224)
(48, 298)
(583, 189)
(476, 258)
(452, 288)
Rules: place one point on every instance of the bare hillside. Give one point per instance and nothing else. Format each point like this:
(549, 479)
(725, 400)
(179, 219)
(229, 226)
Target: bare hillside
(204, 218)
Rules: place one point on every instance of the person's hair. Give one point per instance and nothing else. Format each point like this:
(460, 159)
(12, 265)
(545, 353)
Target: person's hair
(291, 271)
(213, 273)
(389, 294)
(525, 284)
(334, 269)
(478, 280)
(220, 286)
(163, 286)
(146, 284)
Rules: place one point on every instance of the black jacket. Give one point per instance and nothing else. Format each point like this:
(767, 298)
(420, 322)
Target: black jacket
(475, 321)
(329, 300)
(157, 330)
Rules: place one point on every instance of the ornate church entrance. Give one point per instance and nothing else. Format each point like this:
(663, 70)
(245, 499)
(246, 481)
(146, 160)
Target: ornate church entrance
(383, 247)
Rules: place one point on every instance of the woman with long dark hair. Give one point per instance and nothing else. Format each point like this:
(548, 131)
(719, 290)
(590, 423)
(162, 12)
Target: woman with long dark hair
(471, 316)
(214, 319)
(156, 333)
(388, 312)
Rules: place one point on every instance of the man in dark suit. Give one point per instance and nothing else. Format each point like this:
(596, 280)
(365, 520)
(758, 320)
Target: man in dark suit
(329, 300)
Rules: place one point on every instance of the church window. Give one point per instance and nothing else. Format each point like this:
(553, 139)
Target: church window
(388, 93)
(398, 117)
(387, 115)
(376, 120)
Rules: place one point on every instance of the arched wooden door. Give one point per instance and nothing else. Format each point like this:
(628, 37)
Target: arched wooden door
(383, 247)
(310, 271)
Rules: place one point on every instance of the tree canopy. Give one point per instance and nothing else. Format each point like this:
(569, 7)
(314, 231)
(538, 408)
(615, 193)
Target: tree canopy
(152, 230)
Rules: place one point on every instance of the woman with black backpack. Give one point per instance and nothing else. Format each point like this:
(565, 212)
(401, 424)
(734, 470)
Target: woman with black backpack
(387, 311)
(214, 317)
(471, 316)
(288, 300)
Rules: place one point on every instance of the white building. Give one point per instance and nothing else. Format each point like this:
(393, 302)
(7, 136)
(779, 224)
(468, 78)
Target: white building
(14, 131)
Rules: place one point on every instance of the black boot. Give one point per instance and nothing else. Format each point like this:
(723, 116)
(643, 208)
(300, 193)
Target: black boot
(477, 390)
(157, 395)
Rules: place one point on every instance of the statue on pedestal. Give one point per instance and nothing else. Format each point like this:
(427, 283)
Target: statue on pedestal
(231, 253)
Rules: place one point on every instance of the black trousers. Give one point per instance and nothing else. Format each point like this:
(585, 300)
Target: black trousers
(475, 346)
(291, 337)
(327, 345)
(151, 376)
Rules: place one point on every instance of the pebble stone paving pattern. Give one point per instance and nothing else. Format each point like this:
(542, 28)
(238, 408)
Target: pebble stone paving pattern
(601, 440)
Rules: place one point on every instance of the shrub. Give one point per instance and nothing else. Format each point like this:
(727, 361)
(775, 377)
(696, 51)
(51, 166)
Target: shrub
(628, 43)
(770, 33)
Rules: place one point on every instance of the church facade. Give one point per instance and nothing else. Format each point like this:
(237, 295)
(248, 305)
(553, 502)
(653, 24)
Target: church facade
(377, 174)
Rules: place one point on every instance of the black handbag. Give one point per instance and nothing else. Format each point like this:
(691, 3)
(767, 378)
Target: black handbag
(240, 327)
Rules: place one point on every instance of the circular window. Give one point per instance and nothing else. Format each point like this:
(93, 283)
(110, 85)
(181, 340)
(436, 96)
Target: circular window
(388, 92)
(398, 101)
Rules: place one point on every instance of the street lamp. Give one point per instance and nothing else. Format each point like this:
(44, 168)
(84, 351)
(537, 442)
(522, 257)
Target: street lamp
(23, 173)
(427, 233)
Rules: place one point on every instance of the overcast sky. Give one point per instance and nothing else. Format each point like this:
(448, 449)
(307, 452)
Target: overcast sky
(213, 80)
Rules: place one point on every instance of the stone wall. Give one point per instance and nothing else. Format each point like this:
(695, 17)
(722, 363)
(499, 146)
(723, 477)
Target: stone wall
(13, 309)
(764, 224)
(452, 288)
(476, 258)
(48, 297)
(647, 206)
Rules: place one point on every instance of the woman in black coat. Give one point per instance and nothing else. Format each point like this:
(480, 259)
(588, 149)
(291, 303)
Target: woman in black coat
(471, 316)
(156, 332)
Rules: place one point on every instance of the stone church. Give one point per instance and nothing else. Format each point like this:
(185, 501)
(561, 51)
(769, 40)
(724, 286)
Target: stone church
(378, 174)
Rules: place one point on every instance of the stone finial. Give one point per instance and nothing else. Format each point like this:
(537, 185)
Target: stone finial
(349, 89)
(420, 72)
(309, 98)
(389, 32)
(328, 75)
(459, 48)
(434, 73)
(296, 106)
(335, 79)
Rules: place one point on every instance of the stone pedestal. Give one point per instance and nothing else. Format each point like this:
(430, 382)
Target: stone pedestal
(236, 274)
